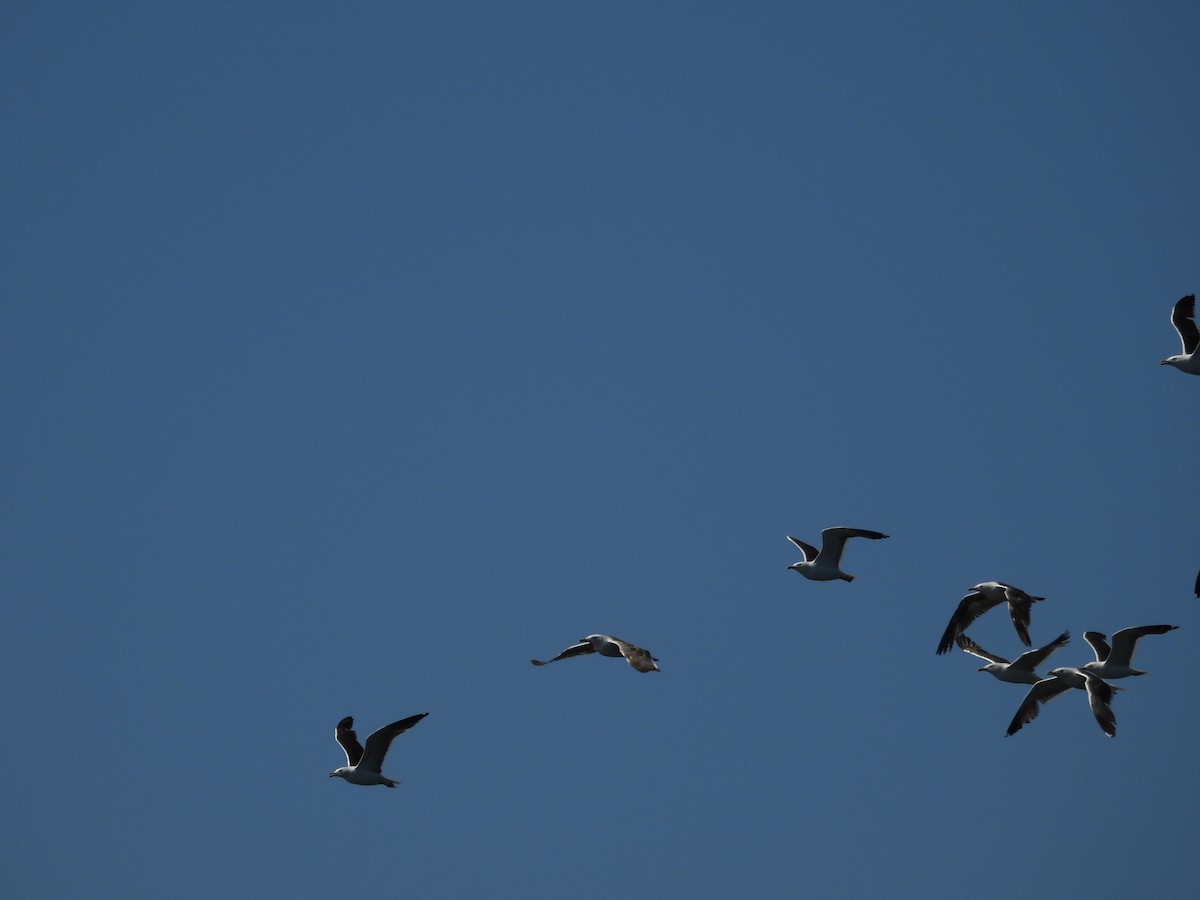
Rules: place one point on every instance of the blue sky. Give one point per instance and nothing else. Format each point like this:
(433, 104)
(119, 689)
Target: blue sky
(355, 355)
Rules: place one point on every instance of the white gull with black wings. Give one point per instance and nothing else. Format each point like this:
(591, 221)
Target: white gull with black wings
(1059, 681)
(1183, 317)
(1021, 670)
(607, 645)
(363, 766)
(825, 564)
(1115, 662)
(982, 597)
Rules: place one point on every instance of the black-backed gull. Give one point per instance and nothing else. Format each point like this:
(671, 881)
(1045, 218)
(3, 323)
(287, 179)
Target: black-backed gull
(607, 645)
(1183, 317)
(1099, 694)
(1115, 662)
(363, 766)
(982, 597)
(1021, 670)
(824, 564)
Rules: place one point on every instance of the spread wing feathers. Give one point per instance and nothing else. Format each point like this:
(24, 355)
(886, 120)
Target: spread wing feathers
(576, 650)
(965, 643)
(1031, 659)
(345, 736)
(970, 608)
(1124, 642)
(1019, 604)
(379, 741)
(810, 552)
(1183, 317)
(833, 542)
(1098, 644)
(1100, 694)
(1042, 692)
(637, 657)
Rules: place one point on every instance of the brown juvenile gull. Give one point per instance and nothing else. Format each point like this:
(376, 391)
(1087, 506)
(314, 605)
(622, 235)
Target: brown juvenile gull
(982, 597)
(824, 564)
(1021, 670)
(363, 766)
(1183, 317)
(1115, 662)
(1099, 694)
(607, 645)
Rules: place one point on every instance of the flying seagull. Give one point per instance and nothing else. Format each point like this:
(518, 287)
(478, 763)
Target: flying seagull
(1099, 693)
(1183, 317)
(1115, 663)
(824, 564)
(1020, 671)
(363, 766)
(607, 645)
(980, 599)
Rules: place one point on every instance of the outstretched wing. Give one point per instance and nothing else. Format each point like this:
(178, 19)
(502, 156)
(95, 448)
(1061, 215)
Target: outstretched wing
(1042, 692)
(810, 552)
(379, 741)
(576, 650)
(1098, 644)
(637, 657)
(833, 542)
(1100, 694)
(344, 735)
(970, 608)
(1124, 642)
(1019, 604)
(1031, 659)
(965, 643)
(1183, 317)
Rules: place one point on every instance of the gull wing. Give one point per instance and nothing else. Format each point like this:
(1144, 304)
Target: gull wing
(965, 643)
(810, 552)
(833, 542)
(379, 741)
(1031, 659)
(1100, 694)
(970, 608)
(1124, 642)
(344, 735)
(1019, 605)
(1098, 643)
(574, 650)
(1042, 692)
(1183, 317)
(637, 657)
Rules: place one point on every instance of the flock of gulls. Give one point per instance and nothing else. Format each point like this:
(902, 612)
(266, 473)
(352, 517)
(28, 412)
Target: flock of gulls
(364, 763)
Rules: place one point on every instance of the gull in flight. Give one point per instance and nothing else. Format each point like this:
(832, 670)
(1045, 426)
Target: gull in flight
(824, 564)
(982, 597)
(363, 766)
(1021, 670)
(607, 645)
(1099, 694)
(1183, 317)
(1115, 662)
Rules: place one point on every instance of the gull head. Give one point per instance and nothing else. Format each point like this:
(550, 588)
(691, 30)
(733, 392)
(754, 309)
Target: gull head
(338, 773)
